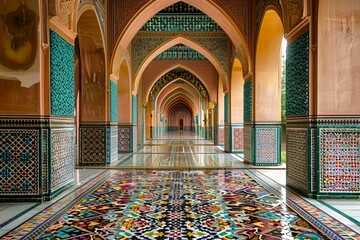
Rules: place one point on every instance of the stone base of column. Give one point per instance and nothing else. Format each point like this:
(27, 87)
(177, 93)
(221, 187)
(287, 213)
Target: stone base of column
(37, 157)
(127, 138)
(323, 157)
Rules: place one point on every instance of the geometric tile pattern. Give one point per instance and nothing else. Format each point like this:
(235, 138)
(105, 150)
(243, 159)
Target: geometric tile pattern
(63, 157)
(92, 149)
(248, 101)
(297, 162)
(238, 138)
(124, 138)
(114, 143)
(180, 52)
(181, 205)
(61, 76)
(45, 161)
(19, 162)
(113, 102)
(297, 77)
(226, 108)
(248, 143)
(339, 163)
(228, 138)
(221, 135)
(267, 145)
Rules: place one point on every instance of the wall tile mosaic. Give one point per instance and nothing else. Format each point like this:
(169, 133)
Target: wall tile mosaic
(19, 162)
(267, 143)
(62, 74)
(297, 160)
(238, 138)
(248, 100)
(113, 102)
(63, 157)
(339, 165)
(124, 138)
(93, 145)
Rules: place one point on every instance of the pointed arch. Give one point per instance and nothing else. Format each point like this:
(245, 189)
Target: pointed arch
(170, 43)
(150, 9)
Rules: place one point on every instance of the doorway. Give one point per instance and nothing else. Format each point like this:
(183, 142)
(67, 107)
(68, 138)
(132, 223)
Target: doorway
(181, 125)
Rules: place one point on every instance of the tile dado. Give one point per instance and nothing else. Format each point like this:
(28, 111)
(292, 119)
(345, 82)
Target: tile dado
(36, 157)
(328, 154)
(127, 141)
(98, 144)
(267, 145)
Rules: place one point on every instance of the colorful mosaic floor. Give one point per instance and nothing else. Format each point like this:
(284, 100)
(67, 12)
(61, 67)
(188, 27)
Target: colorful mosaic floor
(180, 205)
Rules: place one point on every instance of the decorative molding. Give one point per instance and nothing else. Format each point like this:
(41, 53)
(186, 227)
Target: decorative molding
(180, 52)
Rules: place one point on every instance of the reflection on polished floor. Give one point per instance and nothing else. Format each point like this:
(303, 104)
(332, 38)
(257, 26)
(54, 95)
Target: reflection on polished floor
(204, 193)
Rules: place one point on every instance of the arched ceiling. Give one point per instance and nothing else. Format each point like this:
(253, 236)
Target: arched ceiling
(212, 35)
(184, 94)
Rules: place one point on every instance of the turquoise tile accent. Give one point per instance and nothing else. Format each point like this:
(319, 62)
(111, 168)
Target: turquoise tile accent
(297, 77)
(62, 86)
(180, 23)
(134, 104)
(113, 102)
(248, 101)
(226, 108)
(180, 53)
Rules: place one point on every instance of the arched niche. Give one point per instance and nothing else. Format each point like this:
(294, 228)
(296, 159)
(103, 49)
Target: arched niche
(237, 93)
(268, 68)
(93, 68)
(124, 94)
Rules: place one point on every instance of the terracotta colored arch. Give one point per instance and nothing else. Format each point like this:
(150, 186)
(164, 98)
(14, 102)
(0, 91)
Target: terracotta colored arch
(177, 101)
(172, 68)
(167, 100)
(170, 90)
(172, 42)
(151, 8)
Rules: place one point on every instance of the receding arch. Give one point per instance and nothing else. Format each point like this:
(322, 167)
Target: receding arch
(150, 9)
(168, 100)
(268, 68)
(237, 93)
(124, 93)
(172, 42)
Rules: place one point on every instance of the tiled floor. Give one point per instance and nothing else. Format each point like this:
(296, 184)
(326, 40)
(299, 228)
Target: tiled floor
(204, 193)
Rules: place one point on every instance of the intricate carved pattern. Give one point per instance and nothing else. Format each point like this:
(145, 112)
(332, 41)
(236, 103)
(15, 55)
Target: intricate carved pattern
(266, 145)
(93, 145)
(61, 76)
(63, 157)
(238, 141)
(44, 8)
(180, 52)
(113, 102)
(179, 23)
(226, 108)
(293, 10)
(124, 139)
(180, 7)
(173, 75)
(248, 101)
(217, 45)
(19, 162)
(297, 77)
(238, 11)
(65, 9)
(339, 160)
(297, 156)
(45, 160)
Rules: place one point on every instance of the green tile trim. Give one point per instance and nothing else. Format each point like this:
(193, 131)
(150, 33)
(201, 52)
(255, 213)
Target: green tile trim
(340, 212)
(248, 101)
(226, 108)
(113, 102)
(134, 108)
(62, 83)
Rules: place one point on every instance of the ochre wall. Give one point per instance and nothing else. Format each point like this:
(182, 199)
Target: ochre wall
(338, 57)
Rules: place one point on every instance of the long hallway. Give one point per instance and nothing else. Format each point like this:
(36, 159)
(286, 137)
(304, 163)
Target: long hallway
(178, 187)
